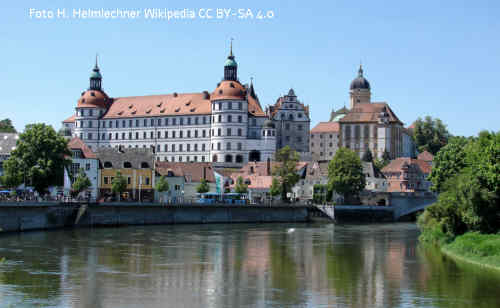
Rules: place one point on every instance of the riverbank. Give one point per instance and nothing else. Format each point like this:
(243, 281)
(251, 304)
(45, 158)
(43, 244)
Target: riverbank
(475, 248)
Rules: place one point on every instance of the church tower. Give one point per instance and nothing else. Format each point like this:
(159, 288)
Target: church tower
(95, 77)
(359, 90)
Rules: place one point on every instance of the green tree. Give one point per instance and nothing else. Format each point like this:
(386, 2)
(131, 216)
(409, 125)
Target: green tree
(367, 156)
(240, 187)
(345, 173)
(469, 198)
(162, 185)
(286, 170)
(40, 157)
(6, 126)
(430, 135)
(81, 183)
(119, 184)
(448, 162)
(275, 188)
(203, 187)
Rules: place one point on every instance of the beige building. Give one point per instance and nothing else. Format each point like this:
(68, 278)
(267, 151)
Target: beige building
(370, 125)
(324, 141)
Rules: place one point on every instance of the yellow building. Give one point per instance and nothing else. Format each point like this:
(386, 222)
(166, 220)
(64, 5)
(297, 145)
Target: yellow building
(134, 164)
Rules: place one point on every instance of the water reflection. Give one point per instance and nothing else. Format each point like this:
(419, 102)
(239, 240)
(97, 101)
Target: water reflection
(280, 265)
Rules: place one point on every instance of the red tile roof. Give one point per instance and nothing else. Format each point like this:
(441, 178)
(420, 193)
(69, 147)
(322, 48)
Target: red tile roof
(260, 168)
(369, 113)
(228, 89)
(93, 98)
(159, 105)
(326, 127)
(187, 170)
(396, 165)
(70, 119)
(256, 181)
(425, 156)
(77, 144)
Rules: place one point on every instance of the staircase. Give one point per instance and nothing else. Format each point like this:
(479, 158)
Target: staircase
(328, 210)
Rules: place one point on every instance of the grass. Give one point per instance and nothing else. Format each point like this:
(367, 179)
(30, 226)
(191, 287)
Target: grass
(473, 247)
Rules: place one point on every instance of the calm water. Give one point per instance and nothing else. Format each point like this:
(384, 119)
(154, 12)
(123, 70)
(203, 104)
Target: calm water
(269, 265)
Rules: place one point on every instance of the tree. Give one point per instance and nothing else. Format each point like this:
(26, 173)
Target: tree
(380, 163)
(275, 188)
(448, 162)
(162, 185)
(286, 171)
(40, 157)
(430, 135)
(81, 183)
(6, 126)
(240, 187)
(367, 156)
(119, 184)
(203, 187)
(345, 173)
(469, 192)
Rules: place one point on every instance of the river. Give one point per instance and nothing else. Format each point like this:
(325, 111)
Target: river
(238, 265)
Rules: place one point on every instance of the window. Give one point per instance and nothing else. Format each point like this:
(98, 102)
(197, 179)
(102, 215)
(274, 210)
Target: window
(136, 135)
(159, 122)
(158, 148)
(219, 132)
(108, 164)
(180, 147)
(287, 126)
(240, 119)
(181, 133)
(91, 112)
(173, 134)
(239, 105)
(165, 148)
(239, 132)
(228, 133)
(145, 122)
(103, 136)
(144, 165)
(229, 118)
(299, 139)
(204, 133)
(124, 123)
(203, 158)
(90, 136)
(166, 134)
(196, 120)
(218, 146)
(106, 180)
(219, 118)
(174, 121)
(110, 136)
(189, 134)
(188, 147)
(196, 147)
(147, 180)
(254, 122)
(196, 134)
(130, 135)
(136, 123)
(228, 146)
(123, 136)
(159, 134)
(287, 138)
(229, 105)
(129, 180)
(239, 146)
(203, 147)
(151, 134)
(188, 121)
(144, 135)
(166, 121)
(152, 122)
(181, 121)
(204, 120)
(299, 127)
(173, 147)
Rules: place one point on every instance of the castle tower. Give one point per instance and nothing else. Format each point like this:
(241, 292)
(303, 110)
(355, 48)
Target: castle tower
(359, 90)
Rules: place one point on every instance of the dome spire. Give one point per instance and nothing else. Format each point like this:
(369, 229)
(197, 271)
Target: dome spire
(360, 70)
(230, 67)
(95, 77)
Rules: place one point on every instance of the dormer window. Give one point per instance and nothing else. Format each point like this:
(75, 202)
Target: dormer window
(108, 164)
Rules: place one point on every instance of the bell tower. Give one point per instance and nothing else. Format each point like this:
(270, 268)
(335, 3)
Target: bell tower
(95, 77)
(231, 67)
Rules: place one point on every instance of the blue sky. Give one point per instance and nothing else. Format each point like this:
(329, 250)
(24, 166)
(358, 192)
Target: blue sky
(437, 58)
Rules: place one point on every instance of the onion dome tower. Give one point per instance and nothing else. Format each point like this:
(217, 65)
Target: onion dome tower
(359, 90)
(91, 105)
(229, 118)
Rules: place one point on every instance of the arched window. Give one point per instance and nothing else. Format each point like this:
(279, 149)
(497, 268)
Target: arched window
(239, 158)
(290, 116)
(214, 158)
(228, 158)
(127, 164)
(108, 164)
(144, 165)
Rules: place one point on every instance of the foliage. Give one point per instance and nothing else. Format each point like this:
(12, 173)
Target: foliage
(119, 184)
(275, 189)
(240, 187)
(380, 163)
(6, 126)
(448, 162)
(367, 156)
(430, 135)
(162, 184)
(321, 193)
(81, 183)
(469, 198)
(481, 248)
(40, 157)
(345, 173)
(203, 187)
(286, 170)
(65, 132)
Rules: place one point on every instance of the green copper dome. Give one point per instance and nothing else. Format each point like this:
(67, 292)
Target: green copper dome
(230, 62)
(95, 74)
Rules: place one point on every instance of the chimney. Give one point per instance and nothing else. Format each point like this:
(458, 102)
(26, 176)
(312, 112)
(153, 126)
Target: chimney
(268, 165)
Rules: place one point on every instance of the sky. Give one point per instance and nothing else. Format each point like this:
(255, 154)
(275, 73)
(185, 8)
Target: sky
(437, 58)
